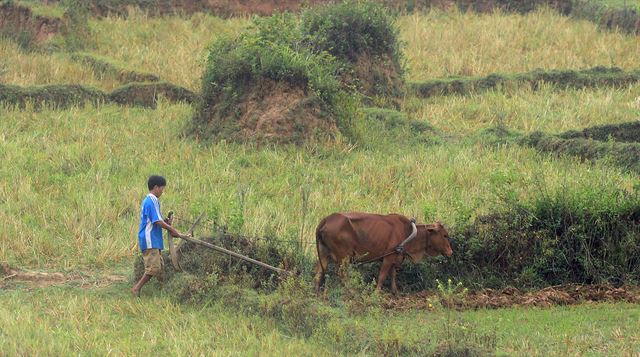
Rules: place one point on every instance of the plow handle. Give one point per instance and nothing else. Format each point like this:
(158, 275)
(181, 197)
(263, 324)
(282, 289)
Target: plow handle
(233, 254)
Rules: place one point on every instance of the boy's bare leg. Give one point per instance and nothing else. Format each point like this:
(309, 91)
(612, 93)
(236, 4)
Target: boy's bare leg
(136, 288)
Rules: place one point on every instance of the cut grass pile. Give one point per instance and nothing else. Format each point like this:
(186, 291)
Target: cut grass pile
(562, 79)
(64, 96)
(107, 67)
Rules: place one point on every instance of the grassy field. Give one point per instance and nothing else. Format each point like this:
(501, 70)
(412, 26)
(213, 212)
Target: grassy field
(453, 43)
(69, 199)
(71, 320)
(23, 68)
(85, 159)
(527, 110)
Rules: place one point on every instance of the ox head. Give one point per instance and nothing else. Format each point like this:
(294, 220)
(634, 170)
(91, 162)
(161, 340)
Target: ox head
(432, 240)
(438, 240)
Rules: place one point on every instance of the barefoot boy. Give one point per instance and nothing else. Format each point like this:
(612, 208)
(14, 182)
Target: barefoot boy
(150, 233)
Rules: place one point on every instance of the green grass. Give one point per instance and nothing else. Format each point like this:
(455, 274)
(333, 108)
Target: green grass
(89, 159)
(71, 189)
(39, 8)
(173, 48)
(591, 330)
(32, 68)
(526, 110)
(441, 44)
(71, 320)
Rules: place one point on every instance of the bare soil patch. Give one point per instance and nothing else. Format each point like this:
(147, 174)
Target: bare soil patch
(273, 112)
(570, 294)
(18, 20)
(13, 277)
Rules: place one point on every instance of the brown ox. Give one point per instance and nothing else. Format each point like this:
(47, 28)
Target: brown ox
(364, 237)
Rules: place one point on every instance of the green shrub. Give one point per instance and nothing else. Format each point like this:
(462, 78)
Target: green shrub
(362, 34)
(351, 29)
(271, 52)
(590, 235)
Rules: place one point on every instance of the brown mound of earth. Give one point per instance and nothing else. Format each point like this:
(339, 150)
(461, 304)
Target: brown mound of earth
(379, 78)
(276, 113)
(570, 294)
(16, 20)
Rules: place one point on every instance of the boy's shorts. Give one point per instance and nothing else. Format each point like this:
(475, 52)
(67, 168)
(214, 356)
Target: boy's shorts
(153, 263)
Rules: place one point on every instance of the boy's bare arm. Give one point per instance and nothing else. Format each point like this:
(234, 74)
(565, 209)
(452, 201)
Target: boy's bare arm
(171, 230)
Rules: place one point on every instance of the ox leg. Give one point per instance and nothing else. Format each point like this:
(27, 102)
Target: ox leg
(387, 264)
(394, 286)
(319, 278)
(321, 269)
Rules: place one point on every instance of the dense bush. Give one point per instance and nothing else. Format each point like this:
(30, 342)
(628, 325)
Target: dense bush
(272, 51)
(589, 235)
(351, 29)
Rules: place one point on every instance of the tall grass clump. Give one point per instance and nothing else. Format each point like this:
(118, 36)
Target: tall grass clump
(365, 36)
(77, 34)
(268, 59)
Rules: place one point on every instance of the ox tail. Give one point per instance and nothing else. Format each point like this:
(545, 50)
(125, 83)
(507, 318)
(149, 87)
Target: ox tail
(318, 242)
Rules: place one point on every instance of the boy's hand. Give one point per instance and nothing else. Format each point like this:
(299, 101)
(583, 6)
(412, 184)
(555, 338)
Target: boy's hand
(174, 232)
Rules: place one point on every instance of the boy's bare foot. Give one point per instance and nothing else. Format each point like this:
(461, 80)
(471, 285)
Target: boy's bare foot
(135, 292)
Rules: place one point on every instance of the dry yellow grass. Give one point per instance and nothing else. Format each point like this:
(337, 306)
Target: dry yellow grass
(172, 47)
(523, 109)
(454, 43)
(24, 68)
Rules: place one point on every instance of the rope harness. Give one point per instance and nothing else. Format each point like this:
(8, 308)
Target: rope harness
(399, 249)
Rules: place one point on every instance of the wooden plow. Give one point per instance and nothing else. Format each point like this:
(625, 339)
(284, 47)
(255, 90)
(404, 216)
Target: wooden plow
(173, 251)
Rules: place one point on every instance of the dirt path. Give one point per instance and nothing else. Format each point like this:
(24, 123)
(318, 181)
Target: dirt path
(13, 277)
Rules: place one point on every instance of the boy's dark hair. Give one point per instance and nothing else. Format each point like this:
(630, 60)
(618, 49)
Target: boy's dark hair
(156, 180)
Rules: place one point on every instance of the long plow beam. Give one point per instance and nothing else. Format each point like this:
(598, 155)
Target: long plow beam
(233, 254)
